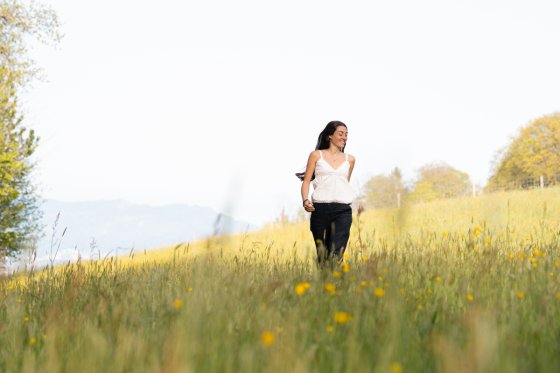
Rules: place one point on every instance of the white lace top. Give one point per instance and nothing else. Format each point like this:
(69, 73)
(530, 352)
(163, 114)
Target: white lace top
(331, 184)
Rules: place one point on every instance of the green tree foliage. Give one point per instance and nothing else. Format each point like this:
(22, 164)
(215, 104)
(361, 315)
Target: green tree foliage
(439, 180)
(382, 191)
(20, 23)
(534, 152)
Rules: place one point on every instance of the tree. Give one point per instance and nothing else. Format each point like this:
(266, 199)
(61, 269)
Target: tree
(534, 152)
(19, 214)
(383, 191)
(439, 180)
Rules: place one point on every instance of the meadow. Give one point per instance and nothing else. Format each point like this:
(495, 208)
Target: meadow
(461, 285)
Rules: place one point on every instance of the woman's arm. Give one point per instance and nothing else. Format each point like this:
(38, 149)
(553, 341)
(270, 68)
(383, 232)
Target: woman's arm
(352, 162)
(309, 170)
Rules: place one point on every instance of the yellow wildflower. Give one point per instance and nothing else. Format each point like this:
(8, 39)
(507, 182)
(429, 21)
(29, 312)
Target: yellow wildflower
(444, 234)
(487, 240)
(379, 292)
(470, 297)
(438, 279)
(336, 274)
(267, 338)
(330, 328)
(189, 290)
(558, 295)
(330, 288)
(396, 368)
(364, 283)
(345, 267)
(342, 317)
(301, 288)
(520, 295)
(26, 318)
(177, 303)
(33, 341)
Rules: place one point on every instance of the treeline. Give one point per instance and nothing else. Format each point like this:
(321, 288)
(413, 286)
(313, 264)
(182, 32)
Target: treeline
(20, 22)
(533, 154)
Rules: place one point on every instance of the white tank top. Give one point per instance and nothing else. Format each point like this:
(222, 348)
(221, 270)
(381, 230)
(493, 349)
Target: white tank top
(330, 184)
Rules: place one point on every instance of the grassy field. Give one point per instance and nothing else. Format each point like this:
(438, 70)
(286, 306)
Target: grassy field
(468, 285)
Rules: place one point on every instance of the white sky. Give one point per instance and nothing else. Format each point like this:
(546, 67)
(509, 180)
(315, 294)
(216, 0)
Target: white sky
(218, 103)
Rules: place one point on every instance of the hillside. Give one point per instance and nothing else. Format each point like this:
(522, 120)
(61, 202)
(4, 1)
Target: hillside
(453, 285)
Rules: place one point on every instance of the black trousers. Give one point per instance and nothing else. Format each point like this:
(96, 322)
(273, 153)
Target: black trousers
(330, 226)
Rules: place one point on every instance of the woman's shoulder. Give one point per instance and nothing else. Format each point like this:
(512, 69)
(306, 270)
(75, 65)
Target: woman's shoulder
(315, 154)
(351, 158)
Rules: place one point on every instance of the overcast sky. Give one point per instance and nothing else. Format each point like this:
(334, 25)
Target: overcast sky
(218, 103)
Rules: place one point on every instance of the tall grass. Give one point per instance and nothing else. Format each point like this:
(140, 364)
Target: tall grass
(455, 285)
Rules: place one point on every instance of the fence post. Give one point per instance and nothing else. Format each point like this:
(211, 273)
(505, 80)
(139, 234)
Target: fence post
(542, 181)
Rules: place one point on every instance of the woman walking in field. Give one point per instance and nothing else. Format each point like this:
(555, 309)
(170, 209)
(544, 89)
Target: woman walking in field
(329, 168)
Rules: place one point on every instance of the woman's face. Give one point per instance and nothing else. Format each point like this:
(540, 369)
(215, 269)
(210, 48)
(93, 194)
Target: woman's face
(339, 137)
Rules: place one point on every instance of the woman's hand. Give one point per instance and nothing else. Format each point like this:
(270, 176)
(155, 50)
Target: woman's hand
(308, 206)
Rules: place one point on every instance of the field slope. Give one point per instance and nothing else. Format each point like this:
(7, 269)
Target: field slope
(459, 285)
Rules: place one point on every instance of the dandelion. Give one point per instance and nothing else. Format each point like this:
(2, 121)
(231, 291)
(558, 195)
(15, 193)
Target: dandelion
(364, 283)
(380, 279)
(444, 234)
(330, 288)
(267, 338)
(26, 318)
(345, 267)
(379, 292)
(536, 252)
(330, 328)
(551, 274)
(33, 341)
(438, 279)
(488, 240)
(365, 258)
(336, 274)
(521, 295)
(470, 297)
(301, 288)
(420, 307)
(342, 317)
(177, 303)
(189, 290)
(396, 368)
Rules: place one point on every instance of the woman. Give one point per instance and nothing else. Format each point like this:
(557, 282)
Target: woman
(329, 168)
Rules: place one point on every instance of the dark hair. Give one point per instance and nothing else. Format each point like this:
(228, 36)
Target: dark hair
(323, 141)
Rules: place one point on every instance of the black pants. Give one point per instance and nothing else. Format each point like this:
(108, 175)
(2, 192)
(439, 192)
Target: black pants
(330, 226)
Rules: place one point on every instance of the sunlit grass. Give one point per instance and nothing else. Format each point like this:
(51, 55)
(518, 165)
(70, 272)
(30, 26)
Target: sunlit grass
(456, 286)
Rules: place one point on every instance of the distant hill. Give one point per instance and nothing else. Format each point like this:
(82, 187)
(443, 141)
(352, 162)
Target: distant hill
(104, 228)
